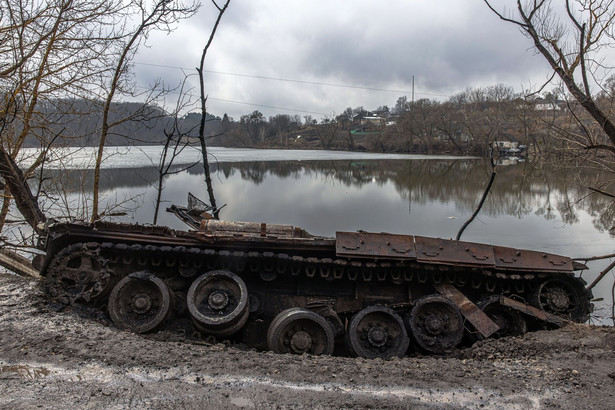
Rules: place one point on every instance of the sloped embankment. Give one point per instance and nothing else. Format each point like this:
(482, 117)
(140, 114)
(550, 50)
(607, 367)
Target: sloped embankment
(57, 357)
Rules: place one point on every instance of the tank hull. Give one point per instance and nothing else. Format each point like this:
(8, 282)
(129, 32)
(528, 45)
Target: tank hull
(277, 287)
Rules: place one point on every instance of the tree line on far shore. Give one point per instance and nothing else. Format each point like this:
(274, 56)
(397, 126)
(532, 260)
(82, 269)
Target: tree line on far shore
(464, 124)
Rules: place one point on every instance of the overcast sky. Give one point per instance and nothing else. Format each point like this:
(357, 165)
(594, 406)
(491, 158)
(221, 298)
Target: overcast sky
(318, 57)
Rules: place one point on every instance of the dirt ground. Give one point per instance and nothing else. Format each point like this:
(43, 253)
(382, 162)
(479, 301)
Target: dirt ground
(55, 357)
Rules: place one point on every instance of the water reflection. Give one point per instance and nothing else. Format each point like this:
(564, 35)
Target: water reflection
(519, 189)
(529, 207)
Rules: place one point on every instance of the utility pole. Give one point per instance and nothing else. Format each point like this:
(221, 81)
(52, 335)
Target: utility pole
(412, 90)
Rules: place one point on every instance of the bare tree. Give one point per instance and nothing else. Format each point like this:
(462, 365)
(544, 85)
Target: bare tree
(401, 105)
(176, 140)
(203, 100)
(48, 50)
(345, 121)
(56, 53)
(572, 44)
(163, 15)
(326, 131)
(447, 126)
(309, 120)
(281, 125)
(254, 125)
(420, 122)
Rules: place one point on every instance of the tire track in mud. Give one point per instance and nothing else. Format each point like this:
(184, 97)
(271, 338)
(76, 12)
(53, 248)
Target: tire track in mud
(67, 358)
(253, 392)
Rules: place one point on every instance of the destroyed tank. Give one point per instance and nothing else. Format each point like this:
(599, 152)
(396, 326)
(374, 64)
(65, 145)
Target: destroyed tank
(277, 287)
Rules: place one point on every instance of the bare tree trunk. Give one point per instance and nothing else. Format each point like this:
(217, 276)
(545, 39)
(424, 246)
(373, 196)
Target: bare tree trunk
(18, 186)
(161, 173)
(6, 203)
(350, 140)
(210, 189)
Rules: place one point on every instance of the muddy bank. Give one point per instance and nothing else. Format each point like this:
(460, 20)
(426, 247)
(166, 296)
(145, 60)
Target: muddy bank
(54, 357)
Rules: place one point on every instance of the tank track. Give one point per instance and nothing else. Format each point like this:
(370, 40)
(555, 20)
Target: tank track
(296, 292)
(189, 261)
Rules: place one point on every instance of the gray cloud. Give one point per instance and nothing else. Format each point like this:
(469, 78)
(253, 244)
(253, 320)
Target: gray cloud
(447, 45)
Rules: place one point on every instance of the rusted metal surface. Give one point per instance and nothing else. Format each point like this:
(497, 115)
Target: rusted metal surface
(448, 252)
(186, 216)
(263, 230)
(516, 259)
(129, 233)
(469, 310)
(433, 284)
(374, 245)
(444, 251)
(532, 311)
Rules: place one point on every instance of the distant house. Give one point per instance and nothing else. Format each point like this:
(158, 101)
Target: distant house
(542, 104)
(372, 119)
(383, 113)
(509, 148)
(377, 117)
(356, 120)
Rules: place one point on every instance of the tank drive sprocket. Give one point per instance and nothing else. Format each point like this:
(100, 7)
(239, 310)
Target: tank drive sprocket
(78, 273)
(565, 296)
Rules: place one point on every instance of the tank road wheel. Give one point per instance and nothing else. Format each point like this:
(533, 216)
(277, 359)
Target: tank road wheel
(510, 321)
(377, 332)
(139, 302)
(218, 302)
(298, 331)
(78, 274)
(564, 296)
(436, 324)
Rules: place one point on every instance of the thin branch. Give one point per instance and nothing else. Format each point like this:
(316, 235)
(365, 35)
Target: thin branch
(482, 200)
(599, 191)
(601, 275)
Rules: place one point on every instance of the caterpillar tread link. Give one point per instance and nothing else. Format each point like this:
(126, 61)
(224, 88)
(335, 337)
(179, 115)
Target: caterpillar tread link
(276, 287)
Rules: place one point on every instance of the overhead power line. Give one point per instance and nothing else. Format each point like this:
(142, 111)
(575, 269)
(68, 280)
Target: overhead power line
(245, 103)
(261, 77)
(267, 106)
